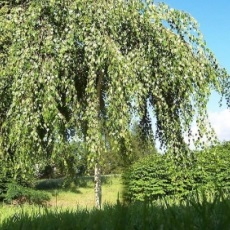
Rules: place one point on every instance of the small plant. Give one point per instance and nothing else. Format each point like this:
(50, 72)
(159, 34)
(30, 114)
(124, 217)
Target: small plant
(19, 194)
(48, 184)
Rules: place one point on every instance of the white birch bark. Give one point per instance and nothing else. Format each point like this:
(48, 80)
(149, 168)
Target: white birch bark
(97, 180)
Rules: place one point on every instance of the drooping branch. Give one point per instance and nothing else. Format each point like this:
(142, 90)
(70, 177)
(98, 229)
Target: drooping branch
(84, 65)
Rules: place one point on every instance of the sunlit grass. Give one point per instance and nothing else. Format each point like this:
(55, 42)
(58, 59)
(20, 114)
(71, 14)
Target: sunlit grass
(83, 196)
(71, 198)
(73, 208)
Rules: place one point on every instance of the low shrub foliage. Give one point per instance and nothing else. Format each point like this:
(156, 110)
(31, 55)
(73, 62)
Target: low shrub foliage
(159, 175)
(47, 184)
(19, 195)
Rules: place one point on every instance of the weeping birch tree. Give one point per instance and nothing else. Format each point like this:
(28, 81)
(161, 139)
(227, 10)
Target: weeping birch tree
(83, 69)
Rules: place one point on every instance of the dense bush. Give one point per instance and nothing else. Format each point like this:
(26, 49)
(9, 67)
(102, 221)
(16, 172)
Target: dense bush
(212, 167)
(47, 184)
(7, 177)
(3, 184)
(21, 195)
(154, 176)
(160, 175)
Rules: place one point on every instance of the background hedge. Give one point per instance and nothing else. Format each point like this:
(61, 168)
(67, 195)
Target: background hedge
(159, 175)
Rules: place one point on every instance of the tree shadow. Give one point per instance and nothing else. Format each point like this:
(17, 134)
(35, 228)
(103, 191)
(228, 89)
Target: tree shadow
(73, 184)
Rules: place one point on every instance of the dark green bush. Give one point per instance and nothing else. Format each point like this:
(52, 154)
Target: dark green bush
(3, 186)
(212, 167)
(161, 175)
(5, 178)
(8, 176)
(47, 184)
(149, 178)
(21, 195)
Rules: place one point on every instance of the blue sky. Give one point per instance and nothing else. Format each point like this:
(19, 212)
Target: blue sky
(214, 20)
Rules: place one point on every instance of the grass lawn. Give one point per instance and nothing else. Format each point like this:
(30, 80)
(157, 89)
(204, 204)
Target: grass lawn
(79, 196)
(83, 195)
(73, 208)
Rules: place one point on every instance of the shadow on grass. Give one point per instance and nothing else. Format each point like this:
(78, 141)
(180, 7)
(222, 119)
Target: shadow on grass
(62, 183)
(48, 184)
(72, 184)
(88, 181)
(59, 184)
(192, 214)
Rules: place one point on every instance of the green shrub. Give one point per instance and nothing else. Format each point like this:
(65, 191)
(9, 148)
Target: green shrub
(160, 175)
(148, 179)
(3, 186)
(21, 195)
(212, 167)
(48, 184)
(7, 177)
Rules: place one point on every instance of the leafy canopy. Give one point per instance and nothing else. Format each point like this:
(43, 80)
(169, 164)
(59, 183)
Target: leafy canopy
(85, 68)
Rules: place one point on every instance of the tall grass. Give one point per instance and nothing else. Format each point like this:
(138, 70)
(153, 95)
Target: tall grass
(196, 212)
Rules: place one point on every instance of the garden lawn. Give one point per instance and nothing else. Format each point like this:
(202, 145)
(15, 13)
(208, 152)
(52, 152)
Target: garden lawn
(74, 196)
(83, 195)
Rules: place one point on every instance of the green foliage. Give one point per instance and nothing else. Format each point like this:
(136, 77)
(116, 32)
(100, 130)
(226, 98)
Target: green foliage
(153, 177)
(212, 168)
(160, 175)
(116, 160)
(49, 184)
(7, 178)
(3, 186)
(4, 179)
(80, 69)
(46, 172)
(21, 195)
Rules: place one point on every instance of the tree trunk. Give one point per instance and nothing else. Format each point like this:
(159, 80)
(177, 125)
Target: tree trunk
(97, 171)
(97, 180)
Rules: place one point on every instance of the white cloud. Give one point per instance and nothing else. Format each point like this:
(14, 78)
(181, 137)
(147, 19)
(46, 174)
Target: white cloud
(221, 123)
